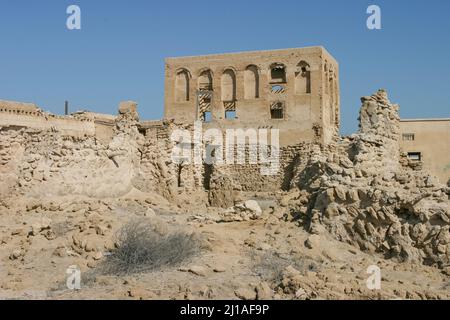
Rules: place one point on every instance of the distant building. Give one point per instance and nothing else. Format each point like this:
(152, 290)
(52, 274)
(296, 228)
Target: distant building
(428, 141)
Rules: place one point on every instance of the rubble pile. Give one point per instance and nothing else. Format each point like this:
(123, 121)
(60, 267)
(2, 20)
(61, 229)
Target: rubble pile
(364, 192)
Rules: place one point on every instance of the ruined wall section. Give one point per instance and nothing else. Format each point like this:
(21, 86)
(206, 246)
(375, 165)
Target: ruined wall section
(364, 192)
(158, 171)
(45, 163)
(229, 180)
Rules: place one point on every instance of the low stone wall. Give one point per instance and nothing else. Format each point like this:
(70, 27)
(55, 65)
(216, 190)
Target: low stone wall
(42, 121)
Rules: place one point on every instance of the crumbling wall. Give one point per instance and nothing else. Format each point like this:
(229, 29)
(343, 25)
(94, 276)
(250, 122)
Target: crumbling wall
(45, 163)
(364, 192)
(159, 172)
(229, 180)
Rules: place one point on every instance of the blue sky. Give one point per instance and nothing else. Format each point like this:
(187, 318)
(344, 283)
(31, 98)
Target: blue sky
(119, 53)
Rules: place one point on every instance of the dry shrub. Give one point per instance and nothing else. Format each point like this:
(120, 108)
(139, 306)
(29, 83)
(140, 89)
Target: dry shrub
(142, 246)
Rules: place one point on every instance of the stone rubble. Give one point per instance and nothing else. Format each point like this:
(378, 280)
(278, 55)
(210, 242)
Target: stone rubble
(364, 192)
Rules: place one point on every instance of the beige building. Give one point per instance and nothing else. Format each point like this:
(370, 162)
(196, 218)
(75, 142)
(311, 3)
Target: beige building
(294, 90)
(428, 141)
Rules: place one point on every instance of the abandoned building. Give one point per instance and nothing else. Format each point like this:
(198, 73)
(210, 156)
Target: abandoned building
(293, 90)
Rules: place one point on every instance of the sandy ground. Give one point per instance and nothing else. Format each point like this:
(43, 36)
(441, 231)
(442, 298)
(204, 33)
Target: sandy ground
(267, 258)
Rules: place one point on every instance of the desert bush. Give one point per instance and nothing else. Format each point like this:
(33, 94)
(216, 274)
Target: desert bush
(143, 247)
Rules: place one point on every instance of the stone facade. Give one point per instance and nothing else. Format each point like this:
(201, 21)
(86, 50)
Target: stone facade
(294, 90)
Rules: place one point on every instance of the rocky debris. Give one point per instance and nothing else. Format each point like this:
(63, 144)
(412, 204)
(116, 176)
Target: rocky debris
(398, 211)
(294, 283)
(16, 254)
(198, 270)
(219, 269)
(44, 224)
(313, 241)
(246, 294)
(263, 291)
(248, 210)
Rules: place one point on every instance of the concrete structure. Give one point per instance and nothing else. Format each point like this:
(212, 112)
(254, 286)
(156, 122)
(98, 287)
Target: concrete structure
(294, 90)
(428, 141)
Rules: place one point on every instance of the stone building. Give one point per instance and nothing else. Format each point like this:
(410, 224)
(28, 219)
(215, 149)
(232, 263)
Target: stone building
(427, 142)
(294, 90)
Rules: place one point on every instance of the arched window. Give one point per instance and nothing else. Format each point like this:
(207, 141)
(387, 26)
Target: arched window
(205, 81)
(228, 83)
(251, 82)
(303, 78)
(182, 86)
(277, 73)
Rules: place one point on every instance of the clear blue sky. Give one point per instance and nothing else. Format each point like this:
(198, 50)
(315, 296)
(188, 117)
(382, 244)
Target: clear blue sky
(119, 53)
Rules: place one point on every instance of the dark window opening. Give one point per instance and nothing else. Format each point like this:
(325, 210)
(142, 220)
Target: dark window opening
(206, 100)
(208, 168)
(408, 137)
(415, 156)
(278, 73)
(179, 181)
(277, 111)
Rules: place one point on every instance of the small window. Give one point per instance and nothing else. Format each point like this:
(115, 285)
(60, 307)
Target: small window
(230, 114)
(277, 110)
(414, 156)
(408, 137)
(207, 117)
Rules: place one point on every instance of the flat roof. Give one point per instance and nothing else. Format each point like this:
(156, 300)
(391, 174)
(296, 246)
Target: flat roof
(285, 50)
